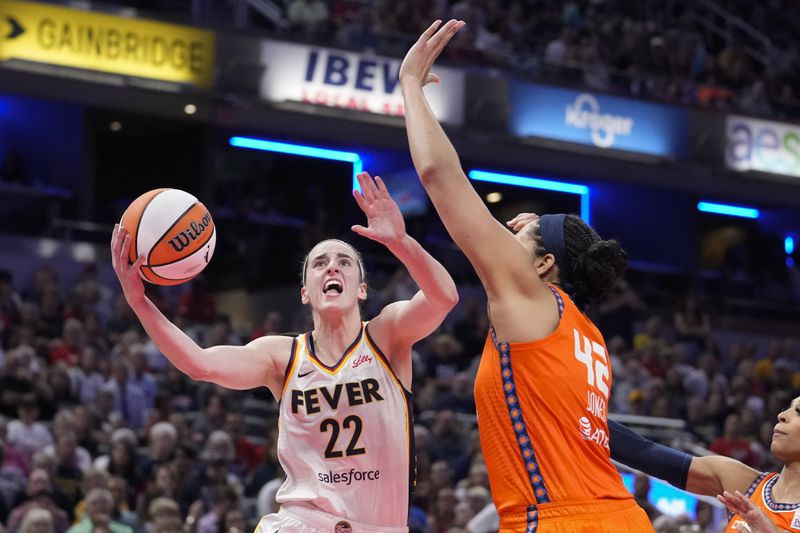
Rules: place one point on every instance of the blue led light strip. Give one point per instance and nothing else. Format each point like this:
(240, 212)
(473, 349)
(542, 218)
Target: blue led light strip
(301, 150)
(728, 210)
(538, 183)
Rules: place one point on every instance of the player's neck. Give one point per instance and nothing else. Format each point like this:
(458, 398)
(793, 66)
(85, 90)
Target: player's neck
(333, 335)
(787, 487)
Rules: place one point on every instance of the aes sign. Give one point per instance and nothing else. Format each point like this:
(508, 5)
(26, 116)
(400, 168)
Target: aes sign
(761, 145)
(349, 80)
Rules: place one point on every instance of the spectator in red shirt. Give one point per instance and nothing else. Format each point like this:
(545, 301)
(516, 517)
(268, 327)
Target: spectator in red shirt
(198, 305)
(732, 445)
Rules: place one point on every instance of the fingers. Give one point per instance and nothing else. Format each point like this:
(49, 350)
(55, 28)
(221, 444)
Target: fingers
(381, 186)
(739, 505)
(125, 251)
(138, 263)
(120, 246)
(432, 78)
(368, 189)
(114, 236)
(521, 220)
(442, 37)
(362, 203)
(444, 34)
(427, 34)
(114, 244)
(361, 230)
(521, 216)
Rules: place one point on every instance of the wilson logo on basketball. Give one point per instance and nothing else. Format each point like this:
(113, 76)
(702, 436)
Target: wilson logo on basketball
(191, 233)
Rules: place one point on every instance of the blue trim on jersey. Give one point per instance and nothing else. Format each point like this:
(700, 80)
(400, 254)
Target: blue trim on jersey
(778, 507)
(518, 423)
(532, 519)
(750, 491)
(559, 300)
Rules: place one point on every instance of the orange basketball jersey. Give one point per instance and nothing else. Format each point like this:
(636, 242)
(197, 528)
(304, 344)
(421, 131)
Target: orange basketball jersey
(542, 413)
(785, 516)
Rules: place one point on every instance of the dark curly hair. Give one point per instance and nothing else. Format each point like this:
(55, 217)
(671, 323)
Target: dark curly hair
(592, 264)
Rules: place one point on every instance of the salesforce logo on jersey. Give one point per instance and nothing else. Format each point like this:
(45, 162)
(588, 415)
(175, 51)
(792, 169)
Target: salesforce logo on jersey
(348, 80)
(348, 476)
(597, 120)
(762, 145)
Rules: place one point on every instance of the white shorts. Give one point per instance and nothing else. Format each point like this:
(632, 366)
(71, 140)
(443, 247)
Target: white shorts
(299, 518)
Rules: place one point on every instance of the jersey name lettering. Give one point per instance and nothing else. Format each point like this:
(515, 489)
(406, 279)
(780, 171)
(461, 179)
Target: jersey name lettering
(356, 393)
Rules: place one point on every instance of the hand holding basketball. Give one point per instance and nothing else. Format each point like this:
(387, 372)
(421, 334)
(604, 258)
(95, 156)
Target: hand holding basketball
(173, 231)
(385, 222)
(128, 274)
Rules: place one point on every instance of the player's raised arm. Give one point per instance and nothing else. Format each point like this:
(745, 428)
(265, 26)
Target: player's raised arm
(403, 323)
(492, 250)
(261, 362)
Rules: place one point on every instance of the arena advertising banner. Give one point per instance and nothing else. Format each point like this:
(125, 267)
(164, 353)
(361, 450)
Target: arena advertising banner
(598, 120)
(94, 41)
(348, 80)
(666, 498)
(761, 145)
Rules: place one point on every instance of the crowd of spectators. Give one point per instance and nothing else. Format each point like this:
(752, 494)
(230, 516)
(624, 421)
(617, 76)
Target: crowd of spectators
(99, 432)
(655, 50)
(671, 51)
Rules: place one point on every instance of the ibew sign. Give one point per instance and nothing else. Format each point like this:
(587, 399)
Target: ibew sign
(349, 80)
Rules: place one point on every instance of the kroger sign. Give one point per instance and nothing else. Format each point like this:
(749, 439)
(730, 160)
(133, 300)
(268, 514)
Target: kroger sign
(597, 120)
(762, 145)
(348, 80)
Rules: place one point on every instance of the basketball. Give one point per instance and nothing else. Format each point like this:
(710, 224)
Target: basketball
(175, 233)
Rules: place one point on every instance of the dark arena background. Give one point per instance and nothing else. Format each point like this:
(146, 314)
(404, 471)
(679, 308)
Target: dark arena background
(673, 127)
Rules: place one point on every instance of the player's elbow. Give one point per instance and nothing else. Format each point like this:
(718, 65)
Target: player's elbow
(450, 299)
(445, 301)
(429, 173)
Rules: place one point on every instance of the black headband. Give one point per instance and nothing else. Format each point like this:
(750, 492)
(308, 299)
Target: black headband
(551, 228)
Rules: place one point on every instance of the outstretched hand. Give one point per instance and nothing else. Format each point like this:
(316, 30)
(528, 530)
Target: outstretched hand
(128, 274)
(417, 64)
(756, 520)
(385, 222)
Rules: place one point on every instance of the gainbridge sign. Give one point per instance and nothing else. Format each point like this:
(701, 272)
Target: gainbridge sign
(130, 47)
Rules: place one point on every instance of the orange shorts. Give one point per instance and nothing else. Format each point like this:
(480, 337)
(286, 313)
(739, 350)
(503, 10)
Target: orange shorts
(593, 516)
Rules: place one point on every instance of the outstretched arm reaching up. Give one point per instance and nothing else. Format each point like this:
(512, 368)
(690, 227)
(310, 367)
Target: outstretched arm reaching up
(400, 324)
(502, 262)
(261, 362)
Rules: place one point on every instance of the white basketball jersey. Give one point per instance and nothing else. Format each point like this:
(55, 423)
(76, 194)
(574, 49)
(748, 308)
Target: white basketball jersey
(345, 434)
